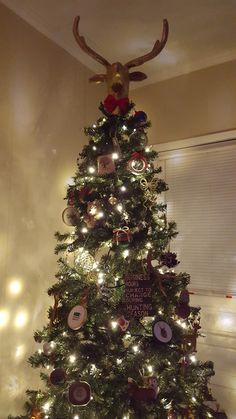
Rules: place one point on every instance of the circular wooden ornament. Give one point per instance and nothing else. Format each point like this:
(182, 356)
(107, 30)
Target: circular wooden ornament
(137, 165)
(79, 393)
(70, 216)
(162, 331)
(77, 317)
(58, 376)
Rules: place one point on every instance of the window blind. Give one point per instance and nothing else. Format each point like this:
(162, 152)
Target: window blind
(202, 201)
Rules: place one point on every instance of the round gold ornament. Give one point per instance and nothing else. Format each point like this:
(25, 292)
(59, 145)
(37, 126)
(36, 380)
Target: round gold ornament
(112, 200)
(85, 260)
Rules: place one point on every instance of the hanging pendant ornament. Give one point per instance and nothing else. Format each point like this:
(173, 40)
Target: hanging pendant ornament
(137, 164)
(112, 200)
(78, 315)
(140, 118)
(85, 260)
(162, 331)
(58, 376)
(122, 235)
(106, 164)
(70, 216)
(79, 393)
(183, 310)
(123, 323)
(150, 195)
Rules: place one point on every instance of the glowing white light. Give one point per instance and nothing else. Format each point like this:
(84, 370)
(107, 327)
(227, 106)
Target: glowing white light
(114, 325)
(116, 279)
(4, 318)
(174, 379)
(148, 245)
(100, 215)
(123, 188)
(193, 358)
(70, 181)
(84, 230)
(76, 417)
(193, 399)
(64, 334)
(183, 325)
(91, 169)
(119, 207)
(21, 319)
(48, 367)
(147, 149)
(150, 368)
(40, 351)
(115, 156)
(93, 368)
(104, 119)
(135, 348)
(118, 361)
(15, 287)
(209, 415)
(94, 125)
(72, 359)
(125, 253)
(46, 407)
(124, 128)
(100, 280)
(94, 147)
(169, 363)
(19, 351)
(160, 312)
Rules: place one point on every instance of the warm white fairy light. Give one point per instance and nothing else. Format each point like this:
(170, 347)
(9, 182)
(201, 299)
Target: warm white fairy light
(115, 156)
(91, 169)
(174, 379)
(126, 253)
(100, 280)
(209, 415)
(48, 367)
(160, 312)
(123, 188)
(150, 368)
(124, 127)
(194, 399)
(46, 407)
(76, 417)
(100, 215)
(148, 245)
(147, 149)
(169, 363)
(70, 181)
(84, 230)
(94, 126)
(72, 359)
(193, 358)
(135, 348)
(64, 334)
(118, 361)
(40, 351)
(113, 324)
(119, 207)
(15, 287)
(94, 147)
(21, 319)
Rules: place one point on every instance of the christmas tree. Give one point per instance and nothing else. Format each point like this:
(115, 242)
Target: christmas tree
(121, 337)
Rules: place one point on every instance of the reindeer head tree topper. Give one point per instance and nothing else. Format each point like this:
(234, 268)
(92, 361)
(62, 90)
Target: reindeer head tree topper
(117, 75)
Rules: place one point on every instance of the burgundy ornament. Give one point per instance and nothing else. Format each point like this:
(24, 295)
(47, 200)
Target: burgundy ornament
(169, 259)
(58, 376)
(79, 393)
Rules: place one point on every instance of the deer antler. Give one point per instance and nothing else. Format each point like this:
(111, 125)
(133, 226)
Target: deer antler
(159, 45)
(81, 41)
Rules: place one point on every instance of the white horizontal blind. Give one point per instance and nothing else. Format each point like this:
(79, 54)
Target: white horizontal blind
(202, 200)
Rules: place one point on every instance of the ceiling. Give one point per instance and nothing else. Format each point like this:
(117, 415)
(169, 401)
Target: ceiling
(202, 32)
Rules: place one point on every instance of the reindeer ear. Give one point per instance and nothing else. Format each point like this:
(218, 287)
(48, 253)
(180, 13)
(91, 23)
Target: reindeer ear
(137, 76)
(98, 78)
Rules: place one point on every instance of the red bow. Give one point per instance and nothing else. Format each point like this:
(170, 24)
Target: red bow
(137, 156)
(110, 104)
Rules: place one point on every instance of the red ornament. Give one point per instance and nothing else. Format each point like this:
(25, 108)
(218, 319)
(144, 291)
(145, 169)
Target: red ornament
(123, 323)
(122, 235)
(113, 105)
(58, 376)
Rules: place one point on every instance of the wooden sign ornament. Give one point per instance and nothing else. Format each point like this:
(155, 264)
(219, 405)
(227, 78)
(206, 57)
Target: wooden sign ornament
(117, 75)
(78, 315)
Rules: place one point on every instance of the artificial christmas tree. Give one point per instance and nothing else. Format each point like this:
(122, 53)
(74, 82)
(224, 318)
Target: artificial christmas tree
(121, 338)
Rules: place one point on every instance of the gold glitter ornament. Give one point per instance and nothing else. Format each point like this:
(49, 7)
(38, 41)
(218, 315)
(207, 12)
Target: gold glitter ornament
(112, 200)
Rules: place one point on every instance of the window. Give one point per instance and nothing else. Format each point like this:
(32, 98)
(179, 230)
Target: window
(201, 175)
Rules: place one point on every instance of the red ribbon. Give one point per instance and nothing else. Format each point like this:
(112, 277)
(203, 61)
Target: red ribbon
(137, 156)
(110, 104)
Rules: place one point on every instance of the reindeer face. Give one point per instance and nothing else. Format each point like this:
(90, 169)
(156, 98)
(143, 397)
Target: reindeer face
(117, 79)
